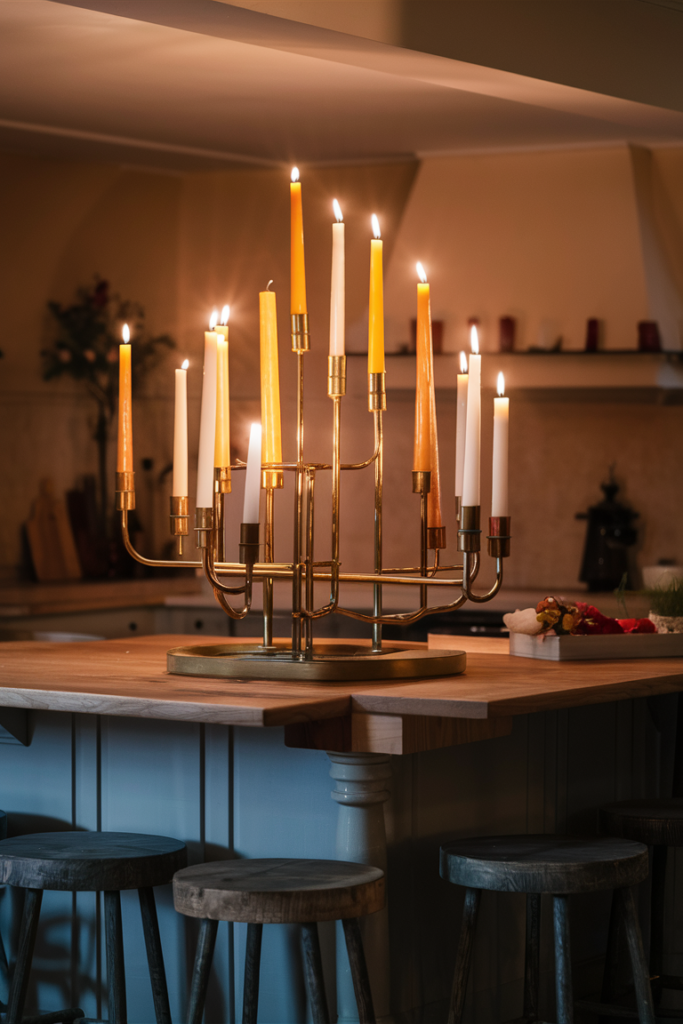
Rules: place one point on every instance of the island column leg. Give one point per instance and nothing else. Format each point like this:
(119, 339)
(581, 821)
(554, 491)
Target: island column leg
(361, 790)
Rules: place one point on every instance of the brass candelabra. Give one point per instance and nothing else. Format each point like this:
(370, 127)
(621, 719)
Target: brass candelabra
(302, 659)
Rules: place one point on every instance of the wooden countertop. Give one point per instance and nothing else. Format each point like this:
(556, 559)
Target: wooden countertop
(129, 677)
(19, 600)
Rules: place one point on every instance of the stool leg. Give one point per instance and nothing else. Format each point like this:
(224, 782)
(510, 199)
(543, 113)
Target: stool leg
(659, 855)
(532, 956)
(563, 962)
(202, 968)
(252, 971)
(464, 955)
(610, 977)
(22, 968)
(155, 956)
(641, 978)
(116, 978)
(313, 968)
(359, 970)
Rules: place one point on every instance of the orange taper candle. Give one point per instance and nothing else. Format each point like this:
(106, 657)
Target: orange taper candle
(124, 456)
(297, 265)
(376, 318)
(271, 442)
(426, 434)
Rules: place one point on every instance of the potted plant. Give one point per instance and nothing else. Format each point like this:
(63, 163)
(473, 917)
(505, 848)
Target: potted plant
(86, 348)
(666, 604)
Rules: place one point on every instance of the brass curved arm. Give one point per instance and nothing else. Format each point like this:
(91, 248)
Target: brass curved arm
(470, 576)
(403, 618)
(375, 454)
(219, 589)
(156, 562)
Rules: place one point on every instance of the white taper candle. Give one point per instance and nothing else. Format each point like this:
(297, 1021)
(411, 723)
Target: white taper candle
(252, 484)
(460, 424)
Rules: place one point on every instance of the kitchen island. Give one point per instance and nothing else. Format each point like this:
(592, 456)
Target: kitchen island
(239, 768)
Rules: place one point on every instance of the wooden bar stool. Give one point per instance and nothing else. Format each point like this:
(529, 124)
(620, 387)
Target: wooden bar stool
(92, 862)
(258, 892)
(559, 866)
(659, 824)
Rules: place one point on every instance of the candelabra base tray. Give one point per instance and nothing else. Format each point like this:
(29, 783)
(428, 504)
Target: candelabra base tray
(330, 663)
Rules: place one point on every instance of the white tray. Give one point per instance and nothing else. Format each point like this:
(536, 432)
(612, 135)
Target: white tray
(586, 648)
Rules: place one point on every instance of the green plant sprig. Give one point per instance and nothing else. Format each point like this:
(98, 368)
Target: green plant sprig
(667, 600)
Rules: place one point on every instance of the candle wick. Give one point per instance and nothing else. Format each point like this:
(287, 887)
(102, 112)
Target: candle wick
(269, 284)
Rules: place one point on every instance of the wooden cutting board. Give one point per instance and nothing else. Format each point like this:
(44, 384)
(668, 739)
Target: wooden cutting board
(50, 537)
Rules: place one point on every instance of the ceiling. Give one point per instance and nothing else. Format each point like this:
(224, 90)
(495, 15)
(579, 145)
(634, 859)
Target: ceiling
(196, 84)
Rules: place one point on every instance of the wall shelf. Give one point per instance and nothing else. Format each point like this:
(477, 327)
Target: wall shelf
(613, 376)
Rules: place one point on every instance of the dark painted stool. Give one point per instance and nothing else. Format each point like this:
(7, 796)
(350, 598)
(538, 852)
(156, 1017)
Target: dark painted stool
(91, 862)
(559, 866)
(659, 824)
(259, 892)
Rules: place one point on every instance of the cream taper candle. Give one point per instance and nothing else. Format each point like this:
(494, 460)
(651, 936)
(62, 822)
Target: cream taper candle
(471, 473)
(460, 424)
(207, 422)
(180, 486)
(501, 417)
(338, 290)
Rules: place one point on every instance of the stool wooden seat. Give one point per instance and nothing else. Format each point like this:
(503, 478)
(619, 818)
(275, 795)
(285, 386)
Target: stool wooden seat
(92, 862)
(280, 891)
(559, 866)
(659, 824)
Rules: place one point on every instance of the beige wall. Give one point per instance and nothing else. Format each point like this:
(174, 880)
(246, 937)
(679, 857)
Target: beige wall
(545, 235)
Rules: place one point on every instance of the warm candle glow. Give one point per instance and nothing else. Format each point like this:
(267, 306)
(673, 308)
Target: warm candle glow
(297, 264)
(463, 363)
(421, 272)
(337, 211)
(213, 319)
(375, 226)
(295, 173)
(124, 456)
(225, 315)
(125, 333)
(185, 364)
(474, 339)
(501, 384)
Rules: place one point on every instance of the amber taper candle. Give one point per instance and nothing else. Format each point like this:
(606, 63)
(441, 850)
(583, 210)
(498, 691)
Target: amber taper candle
(376, 308)
(297, 264)
(271, 425)
(124, 455)
(222, 447)
(338, 287)
(422, 446)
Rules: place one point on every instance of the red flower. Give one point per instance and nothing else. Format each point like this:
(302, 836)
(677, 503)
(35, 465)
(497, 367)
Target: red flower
(637, 626)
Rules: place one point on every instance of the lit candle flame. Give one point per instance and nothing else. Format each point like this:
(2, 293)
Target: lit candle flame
(213, 319)
(474, 339)
(421, 273)
(337, 211)
(125, 333)
(295, 173)
(375, 226)
(225, 315)
(463, 363)
(185, 363)
(501, 384)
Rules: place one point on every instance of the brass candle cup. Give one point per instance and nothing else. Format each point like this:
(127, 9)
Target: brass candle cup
(336, 376)
(222, 479)
(469, 534)
(421, 481)
(249, 543)
(436, 537)
(203, 526)
(180, 516)
(125, 491)
(499, 536)
(300, 336)
(377, 392)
